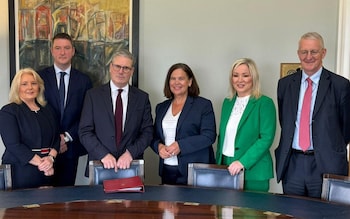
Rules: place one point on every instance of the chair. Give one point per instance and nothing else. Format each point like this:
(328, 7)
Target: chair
(215, 176)
(336, 188)
(97, 173)
(5, 177)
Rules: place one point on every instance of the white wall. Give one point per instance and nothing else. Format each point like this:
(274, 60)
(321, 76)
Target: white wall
(208, 36)
(343, 54)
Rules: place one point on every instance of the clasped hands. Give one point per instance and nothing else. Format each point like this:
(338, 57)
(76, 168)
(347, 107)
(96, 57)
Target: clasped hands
(168, 151)
(46, 166)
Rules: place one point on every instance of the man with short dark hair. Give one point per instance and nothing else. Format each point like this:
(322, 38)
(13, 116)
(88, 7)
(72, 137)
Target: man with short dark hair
(65, 89)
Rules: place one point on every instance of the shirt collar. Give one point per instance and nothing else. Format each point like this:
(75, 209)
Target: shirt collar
(315, 78)
(115, 88)
(58, 70)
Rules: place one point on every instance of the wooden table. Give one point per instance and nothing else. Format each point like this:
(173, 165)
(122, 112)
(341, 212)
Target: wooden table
(135, 209)
(162, 202)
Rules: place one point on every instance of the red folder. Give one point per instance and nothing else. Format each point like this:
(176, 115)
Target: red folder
(131, 184)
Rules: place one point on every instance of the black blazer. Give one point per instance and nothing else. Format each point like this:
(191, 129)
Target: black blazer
(79, 83)
(21, 133)
(330, 122)
(97, 125)
(195, 132)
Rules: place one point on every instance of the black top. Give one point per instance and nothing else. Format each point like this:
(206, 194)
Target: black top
(23, 130)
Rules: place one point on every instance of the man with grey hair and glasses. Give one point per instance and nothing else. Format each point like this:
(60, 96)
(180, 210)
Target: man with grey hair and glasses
(314, 106)
(116, 124)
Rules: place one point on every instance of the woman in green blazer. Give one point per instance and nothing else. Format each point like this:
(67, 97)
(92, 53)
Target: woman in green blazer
(247, 128)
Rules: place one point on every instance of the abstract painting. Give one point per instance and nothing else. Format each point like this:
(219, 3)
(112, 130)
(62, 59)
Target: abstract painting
(97, 27)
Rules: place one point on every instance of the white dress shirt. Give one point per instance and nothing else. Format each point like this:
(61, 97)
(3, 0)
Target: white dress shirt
(124, 96)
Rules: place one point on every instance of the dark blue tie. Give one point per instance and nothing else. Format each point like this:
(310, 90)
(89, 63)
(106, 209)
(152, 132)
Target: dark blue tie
(62, 91)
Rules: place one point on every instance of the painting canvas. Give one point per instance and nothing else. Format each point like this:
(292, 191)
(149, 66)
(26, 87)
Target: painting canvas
(288, 68)
(98, 27)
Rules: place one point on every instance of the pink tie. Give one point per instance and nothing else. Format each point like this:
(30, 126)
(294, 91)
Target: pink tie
(304, 129)
(118, 117)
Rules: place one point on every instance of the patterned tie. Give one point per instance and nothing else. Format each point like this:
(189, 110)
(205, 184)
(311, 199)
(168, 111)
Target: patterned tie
(118, 117)
(304, 129)
(62, 92)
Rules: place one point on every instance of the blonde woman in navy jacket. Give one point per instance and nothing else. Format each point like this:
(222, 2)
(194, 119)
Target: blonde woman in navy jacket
(184, 126)
(29, 130)
(247, 128)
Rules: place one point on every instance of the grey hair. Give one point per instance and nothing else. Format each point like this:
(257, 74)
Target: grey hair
(123, 53)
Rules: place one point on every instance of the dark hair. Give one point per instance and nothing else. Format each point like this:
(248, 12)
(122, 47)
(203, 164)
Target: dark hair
(193, 90)
(62, 36)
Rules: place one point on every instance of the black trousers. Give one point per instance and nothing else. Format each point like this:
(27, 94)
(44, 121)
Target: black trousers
(65, 171)
(172, 176)
(303, 177)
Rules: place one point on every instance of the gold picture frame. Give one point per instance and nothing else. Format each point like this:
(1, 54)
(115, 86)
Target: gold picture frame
(288, 68)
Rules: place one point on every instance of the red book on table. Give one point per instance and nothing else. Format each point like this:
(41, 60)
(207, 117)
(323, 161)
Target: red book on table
(131, 184)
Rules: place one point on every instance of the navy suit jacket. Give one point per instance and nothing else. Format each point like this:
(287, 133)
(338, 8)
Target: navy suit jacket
(20, 132)
(97, 124)
(330, 122)
(79, 83)
(195, 132)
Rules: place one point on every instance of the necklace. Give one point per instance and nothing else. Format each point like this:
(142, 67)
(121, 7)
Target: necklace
(34, 108)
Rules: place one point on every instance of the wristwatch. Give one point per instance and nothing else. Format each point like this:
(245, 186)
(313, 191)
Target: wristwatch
(66, 138)
(52, 158)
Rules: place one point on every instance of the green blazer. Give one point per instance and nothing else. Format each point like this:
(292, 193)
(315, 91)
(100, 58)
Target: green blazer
(254, 137)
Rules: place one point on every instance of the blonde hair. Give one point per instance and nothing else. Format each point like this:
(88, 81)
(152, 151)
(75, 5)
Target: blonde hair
(16, 82)
(253, 72)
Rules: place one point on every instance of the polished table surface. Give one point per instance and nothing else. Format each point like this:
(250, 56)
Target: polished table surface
(127, 209)
(264, 202)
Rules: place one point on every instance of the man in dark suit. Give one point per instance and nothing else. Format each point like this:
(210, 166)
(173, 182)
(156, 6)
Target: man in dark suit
(98, 129)
(328, 122)
(75, 85)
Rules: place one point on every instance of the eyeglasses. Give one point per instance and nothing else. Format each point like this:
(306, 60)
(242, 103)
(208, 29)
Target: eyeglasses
(125, 69)
(312, 52)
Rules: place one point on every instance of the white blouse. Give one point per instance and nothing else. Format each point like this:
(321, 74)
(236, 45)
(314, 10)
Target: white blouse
(169, 124)
(232, 125)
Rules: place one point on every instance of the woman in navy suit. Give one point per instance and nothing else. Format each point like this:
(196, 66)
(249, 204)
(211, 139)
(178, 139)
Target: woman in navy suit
(184, 126)
(29, 130)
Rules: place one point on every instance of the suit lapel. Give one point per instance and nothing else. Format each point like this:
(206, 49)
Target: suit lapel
(161, 114)
(33, 122)
(294, 89)
(226, 113)
(71, 87)
(250, 106)
(185, 110)
(321, 91)
(133, 100)
(107, 100)
(52, 82)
